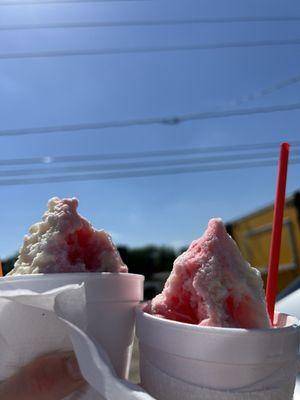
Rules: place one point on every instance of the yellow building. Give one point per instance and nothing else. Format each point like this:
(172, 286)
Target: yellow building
(253, 235)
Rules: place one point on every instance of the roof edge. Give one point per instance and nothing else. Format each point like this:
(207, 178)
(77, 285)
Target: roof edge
(289, 199)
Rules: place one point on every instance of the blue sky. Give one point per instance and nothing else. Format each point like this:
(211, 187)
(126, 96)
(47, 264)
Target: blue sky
(167, 209)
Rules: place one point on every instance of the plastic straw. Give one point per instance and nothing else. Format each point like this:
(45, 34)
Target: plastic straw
(272, 282)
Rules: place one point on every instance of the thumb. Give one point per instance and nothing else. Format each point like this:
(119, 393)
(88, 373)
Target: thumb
(51, 377)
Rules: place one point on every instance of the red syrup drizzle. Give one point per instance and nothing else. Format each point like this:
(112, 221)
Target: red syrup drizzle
(82, 249)
(181, 309)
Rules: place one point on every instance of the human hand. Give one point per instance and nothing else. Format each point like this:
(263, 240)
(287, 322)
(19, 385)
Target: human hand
(50, 377)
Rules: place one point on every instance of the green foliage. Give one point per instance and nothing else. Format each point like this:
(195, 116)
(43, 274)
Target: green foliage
(148, 260)
(8, 264)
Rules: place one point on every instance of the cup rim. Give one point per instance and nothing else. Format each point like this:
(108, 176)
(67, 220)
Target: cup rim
(183, 326)
(59, 276)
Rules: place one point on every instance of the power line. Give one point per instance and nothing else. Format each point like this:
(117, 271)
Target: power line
(142, 154)
(42, 2)
(143, 50)
(138, 174)
(160, 22)
(263, 92)
(168, 120)
(137, 164)
(266, 91)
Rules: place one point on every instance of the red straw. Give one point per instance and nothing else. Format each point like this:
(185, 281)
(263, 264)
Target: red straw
(272, 283)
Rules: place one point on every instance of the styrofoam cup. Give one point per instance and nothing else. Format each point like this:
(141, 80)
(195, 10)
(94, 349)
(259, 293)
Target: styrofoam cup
(217, 358)
(111, 299)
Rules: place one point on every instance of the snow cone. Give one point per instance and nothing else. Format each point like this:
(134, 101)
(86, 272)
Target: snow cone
(65, 249)
(208, 334)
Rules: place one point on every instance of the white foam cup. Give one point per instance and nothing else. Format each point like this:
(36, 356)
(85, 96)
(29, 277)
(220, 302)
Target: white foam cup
(111, 299)
(217, 358)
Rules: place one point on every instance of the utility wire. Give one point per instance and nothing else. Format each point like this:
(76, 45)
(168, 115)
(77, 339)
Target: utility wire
(136, 165)
(168, 120)
(142, 154)
(145, 50)
(139, 174)
(42, 2)
(266, 91)
(250, 97)
(154, 22)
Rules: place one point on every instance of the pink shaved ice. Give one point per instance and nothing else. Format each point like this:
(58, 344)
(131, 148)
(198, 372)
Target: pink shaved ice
(64, 241)
(212, 285)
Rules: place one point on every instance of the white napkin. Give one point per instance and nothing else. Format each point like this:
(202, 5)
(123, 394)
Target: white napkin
(33, 324)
